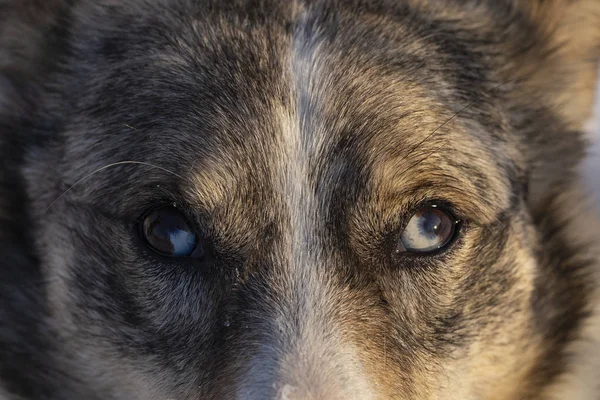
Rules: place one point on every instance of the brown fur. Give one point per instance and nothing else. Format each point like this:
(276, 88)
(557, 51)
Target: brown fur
(298, 138)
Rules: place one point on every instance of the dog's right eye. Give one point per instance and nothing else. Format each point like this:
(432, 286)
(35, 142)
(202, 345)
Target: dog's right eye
(167, 232)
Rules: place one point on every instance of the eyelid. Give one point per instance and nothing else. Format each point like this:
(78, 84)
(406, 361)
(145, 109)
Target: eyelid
(447, 206)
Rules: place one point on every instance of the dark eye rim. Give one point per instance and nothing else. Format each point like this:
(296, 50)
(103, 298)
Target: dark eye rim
(460, 224)
(200, 240)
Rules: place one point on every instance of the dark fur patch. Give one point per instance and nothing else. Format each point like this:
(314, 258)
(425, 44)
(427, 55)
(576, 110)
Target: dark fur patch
(298, 138)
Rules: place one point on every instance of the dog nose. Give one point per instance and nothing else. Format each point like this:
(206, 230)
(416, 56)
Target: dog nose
(296, 345)
(307, 374)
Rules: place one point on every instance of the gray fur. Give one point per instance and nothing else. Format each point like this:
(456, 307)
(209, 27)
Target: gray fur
(299, 137)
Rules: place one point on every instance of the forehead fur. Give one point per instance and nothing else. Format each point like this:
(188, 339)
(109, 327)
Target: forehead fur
(242, 100)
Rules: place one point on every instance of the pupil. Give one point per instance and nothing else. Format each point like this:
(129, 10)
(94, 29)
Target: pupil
(431, 224)
(169, 233)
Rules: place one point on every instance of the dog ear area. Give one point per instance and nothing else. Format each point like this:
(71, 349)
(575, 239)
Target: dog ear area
(554, 74)
(26, 368)
(33, 34)
(559, 62)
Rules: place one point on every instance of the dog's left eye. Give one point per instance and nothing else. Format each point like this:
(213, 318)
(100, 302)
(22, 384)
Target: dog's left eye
(430, 229)
(168, 232)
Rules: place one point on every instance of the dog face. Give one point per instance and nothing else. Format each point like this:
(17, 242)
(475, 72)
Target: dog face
(286, 200)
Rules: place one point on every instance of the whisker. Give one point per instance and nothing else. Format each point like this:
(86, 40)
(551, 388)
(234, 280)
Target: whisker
(32, 284)
(110, 166)
(425, 157)
(429, 136)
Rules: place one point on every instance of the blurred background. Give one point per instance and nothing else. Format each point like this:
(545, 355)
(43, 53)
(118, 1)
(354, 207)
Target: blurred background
(592, 163)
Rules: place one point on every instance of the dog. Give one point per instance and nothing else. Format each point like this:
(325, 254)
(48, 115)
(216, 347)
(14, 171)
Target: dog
(318, 199)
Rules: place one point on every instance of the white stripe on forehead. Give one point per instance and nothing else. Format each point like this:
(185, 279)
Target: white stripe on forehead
(301, 139)
(318, 353)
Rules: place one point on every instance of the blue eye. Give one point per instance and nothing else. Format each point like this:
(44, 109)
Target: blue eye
(430, 229)
(167, 232)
